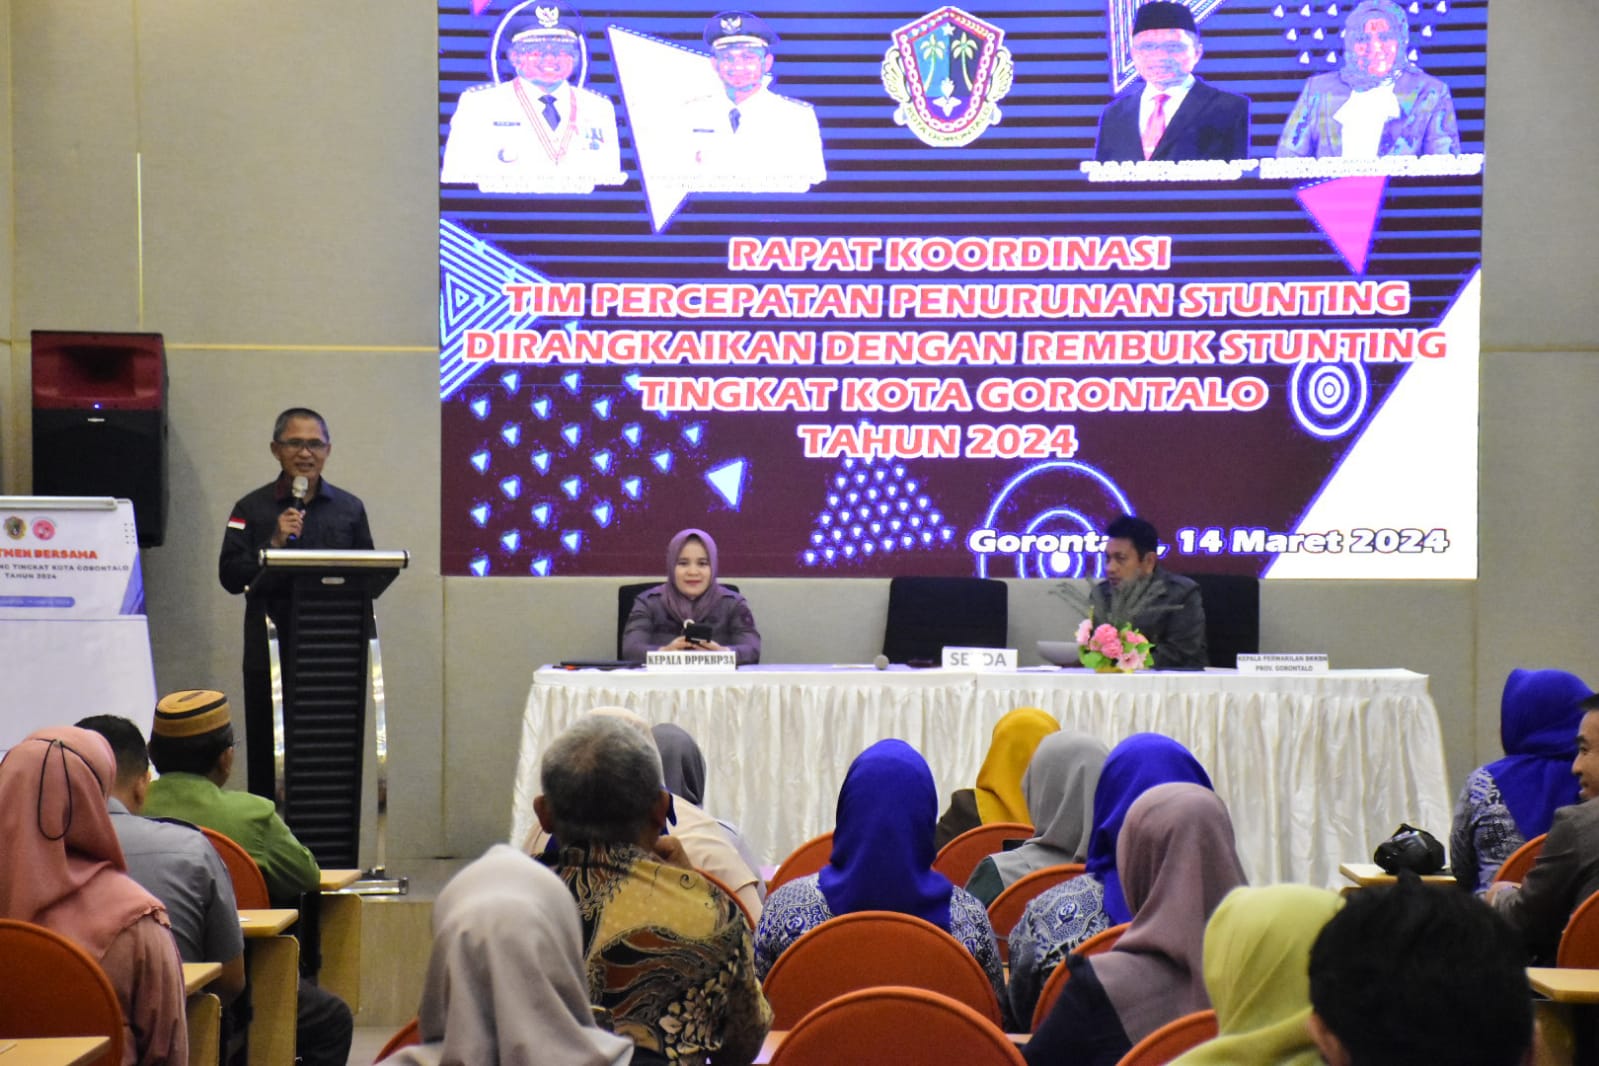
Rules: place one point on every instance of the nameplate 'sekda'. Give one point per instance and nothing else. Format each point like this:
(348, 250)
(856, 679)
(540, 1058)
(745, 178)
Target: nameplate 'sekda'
(989, 660)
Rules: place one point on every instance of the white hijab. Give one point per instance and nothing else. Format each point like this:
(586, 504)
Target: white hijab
(505, 983)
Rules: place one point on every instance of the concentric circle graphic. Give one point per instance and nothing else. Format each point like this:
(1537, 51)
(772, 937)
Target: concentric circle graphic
(1328, 400)
(1061, 497)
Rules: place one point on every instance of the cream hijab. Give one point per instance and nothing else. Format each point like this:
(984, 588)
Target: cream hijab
(505, 983)
(1257, 971)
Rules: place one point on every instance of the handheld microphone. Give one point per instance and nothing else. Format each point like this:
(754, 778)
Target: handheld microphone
(299, 490)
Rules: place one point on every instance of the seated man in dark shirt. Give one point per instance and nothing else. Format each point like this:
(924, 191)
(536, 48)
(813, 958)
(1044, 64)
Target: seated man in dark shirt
(1165, 607)
(1414, 974)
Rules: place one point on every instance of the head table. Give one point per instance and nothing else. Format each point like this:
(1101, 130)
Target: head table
(1317, 769)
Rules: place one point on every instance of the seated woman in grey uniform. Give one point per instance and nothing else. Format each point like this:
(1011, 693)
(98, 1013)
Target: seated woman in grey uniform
(691, 594)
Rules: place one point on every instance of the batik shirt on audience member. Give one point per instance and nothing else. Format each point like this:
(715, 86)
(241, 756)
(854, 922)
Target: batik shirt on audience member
(668, 955)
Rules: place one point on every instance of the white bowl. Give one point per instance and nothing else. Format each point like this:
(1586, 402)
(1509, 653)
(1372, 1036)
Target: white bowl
(1059, 652)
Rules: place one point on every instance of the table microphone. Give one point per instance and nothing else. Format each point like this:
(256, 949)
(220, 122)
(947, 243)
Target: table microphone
(880, 662)
(300, 489)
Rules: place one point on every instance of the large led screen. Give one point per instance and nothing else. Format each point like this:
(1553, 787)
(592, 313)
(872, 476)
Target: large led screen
(867, 288)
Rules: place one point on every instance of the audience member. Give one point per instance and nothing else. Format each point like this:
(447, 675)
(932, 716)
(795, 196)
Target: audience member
(667, 953)
(1063, 917)
(1506, 803)
(1567, 869)
(1177, 858)
(998, 795)
(192, 748)
(1257, 954)
(684, 765)
(711, 846)
(505, 981)
(1409, 974)
(61, 867)
(882, 861)
(174, 862)
(1059, 787)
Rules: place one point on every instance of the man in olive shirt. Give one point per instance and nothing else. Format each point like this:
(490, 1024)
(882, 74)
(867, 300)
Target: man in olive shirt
(192, 748)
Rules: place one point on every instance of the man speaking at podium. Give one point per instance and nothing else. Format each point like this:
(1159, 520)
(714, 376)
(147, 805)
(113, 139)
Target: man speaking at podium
(298, 510)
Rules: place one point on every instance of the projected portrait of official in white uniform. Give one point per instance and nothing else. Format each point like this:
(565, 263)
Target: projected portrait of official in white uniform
(746, 138)
(536, 132)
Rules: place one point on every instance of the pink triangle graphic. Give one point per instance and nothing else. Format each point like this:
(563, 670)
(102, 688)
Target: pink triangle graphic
(1346, 210)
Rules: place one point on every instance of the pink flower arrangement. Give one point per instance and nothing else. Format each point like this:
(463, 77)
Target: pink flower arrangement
(1106, 647)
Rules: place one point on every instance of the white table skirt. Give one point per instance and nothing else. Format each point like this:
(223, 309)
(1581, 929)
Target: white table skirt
(1316, 769)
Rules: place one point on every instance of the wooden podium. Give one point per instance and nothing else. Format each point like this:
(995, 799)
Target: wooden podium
(326, 663)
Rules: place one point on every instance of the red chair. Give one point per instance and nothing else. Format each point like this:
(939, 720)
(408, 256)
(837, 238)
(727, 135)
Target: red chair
(249, 887)
(49, 986)
(880, 1026)
(1515, 868)
(719, 883)
(1097, 944)
(869, 949)
(1172, 1040)
(410, 1033)
(957, 859)
(1007, 908)
(803, 861)
(1579, 943)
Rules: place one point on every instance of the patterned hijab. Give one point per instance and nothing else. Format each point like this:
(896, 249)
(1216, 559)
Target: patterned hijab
(60, 864)
(1257, 971)
(681, 761)
(1539, 714)
(1134, 766)
(1178, 859)
(999, 781)
(679, 606)
(883, 840)
(1355, 31)
(506, 981)
(1059, 785)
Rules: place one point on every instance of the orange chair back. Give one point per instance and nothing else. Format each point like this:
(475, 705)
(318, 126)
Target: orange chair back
(719, 883)
(249, 887)
(1172, 1039)
(957, 859)
(49, 986)
(875, 1026)
(410, 1033)
(869, 949)
(1579, 943)
(803, 861)
(1515, 868)
(1097, 944)
(1007, 908)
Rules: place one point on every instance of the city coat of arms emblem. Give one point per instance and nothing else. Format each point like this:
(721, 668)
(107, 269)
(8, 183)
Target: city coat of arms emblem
(948, 71)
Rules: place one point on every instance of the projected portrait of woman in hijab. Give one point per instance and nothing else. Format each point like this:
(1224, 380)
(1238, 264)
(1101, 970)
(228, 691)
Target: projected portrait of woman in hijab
(1379, 104)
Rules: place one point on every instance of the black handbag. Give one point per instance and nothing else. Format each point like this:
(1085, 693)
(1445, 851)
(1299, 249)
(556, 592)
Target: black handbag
(1410, 849)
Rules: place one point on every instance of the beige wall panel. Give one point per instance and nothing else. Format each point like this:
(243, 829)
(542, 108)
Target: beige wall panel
(1426, 626)
(1539, 190)
(74, 135)
(289, 172)
(383, 418)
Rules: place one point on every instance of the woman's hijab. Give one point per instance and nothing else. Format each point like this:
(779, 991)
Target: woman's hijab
(506, 982)
(1178, 859)
(1134, 766)
(1539, 714)
(1010, 749)
(60, 863)
(681, 761)
(1059, 785)
(679, 606)
(883, 840)
(1257, 971)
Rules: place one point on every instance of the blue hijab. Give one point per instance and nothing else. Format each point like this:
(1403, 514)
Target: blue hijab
(883, 840)
(1538, 720)
(1133, 767)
